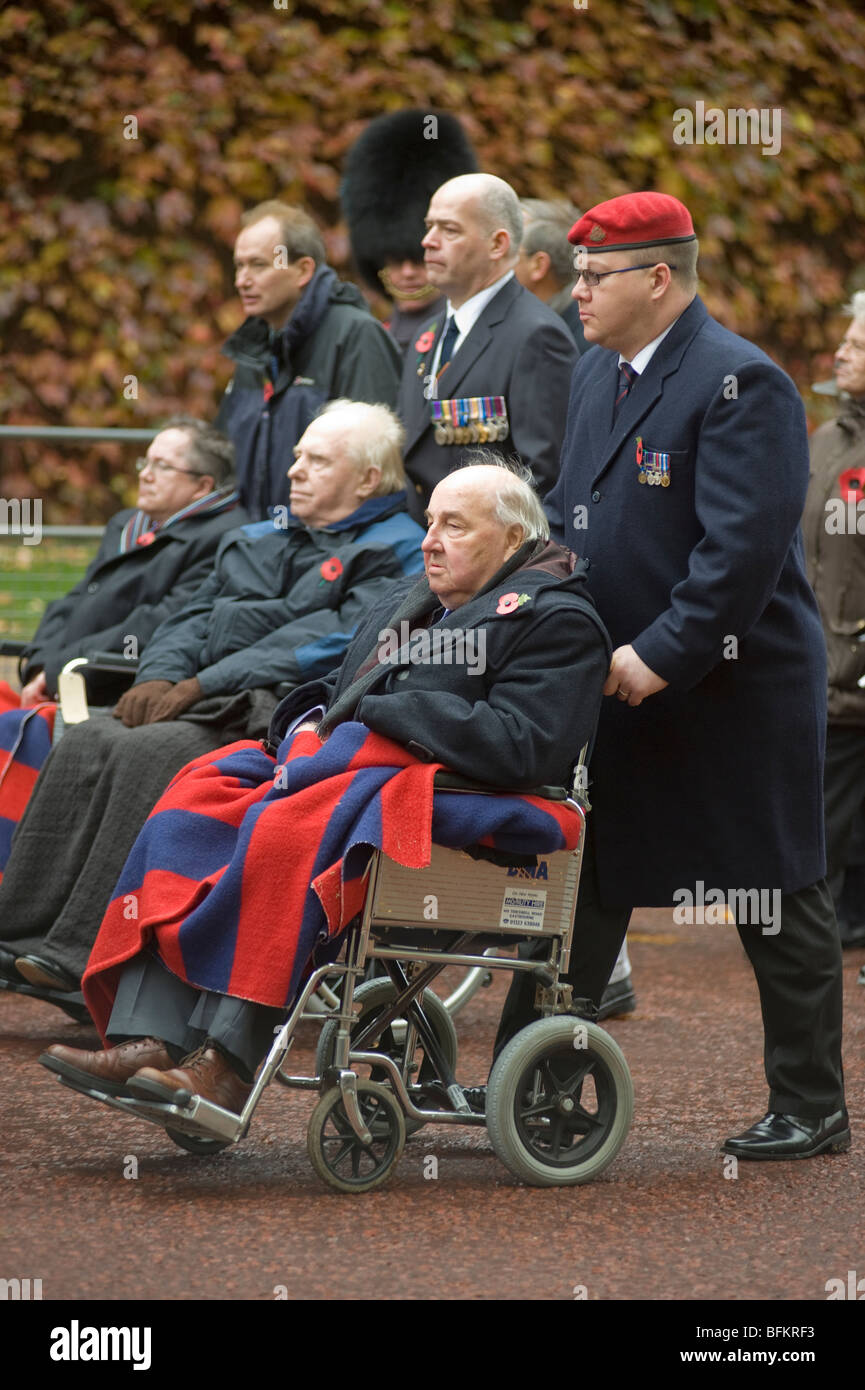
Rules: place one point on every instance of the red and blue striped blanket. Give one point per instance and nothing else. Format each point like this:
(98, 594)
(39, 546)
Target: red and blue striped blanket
(247, 862)
(25, 742)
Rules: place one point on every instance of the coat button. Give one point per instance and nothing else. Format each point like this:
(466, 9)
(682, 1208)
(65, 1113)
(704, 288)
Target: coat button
(596, 497)
(588, 564)
(91, 588)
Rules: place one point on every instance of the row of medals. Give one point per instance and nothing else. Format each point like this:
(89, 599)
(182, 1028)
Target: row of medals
(652, 477)
(483, 432)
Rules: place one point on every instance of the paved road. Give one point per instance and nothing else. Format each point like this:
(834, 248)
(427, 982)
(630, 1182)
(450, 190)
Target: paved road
(664, 1222)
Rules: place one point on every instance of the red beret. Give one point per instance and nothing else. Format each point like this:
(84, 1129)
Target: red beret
(633, 221)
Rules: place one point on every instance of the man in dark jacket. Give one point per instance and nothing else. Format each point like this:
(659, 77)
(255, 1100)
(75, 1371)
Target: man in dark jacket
(492, 575)
(309, 338)
(497, 368)
(282, 602)
(151, 560)
(684, 473)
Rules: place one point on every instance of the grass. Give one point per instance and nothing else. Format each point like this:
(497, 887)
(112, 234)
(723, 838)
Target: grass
(32, 575)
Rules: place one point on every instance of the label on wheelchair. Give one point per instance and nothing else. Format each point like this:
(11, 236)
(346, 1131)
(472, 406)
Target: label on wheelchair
(524, 908)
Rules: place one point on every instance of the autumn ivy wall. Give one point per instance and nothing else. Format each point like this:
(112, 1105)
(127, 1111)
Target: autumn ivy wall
(133, 133)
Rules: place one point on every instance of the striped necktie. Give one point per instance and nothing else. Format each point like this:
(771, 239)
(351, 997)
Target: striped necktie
(627, 377)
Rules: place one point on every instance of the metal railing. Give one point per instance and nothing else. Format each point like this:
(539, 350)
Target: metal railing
(78, 433)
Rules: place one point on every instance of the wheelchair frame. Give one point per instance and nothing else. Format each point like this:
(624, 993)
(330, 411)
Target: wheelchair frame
(534, 1113)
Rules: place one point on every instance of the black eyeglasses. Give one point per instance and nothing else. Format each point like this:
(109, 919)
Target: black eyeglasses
(159, 466)
(592, 278)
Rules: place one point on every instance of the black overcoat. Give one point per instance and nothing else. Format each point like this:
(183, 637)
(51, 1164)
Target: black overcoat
(718, 778)
(520, 721)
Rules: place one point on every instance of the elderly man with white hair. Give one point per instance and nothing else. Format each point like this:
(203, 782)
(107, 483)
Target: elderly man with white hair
(280, 606)
(495, 369)
(179, 992)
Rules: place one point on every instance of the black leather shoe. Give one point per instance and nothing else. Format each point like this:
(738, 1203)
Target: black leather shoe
(618, 999)
(7, 965)
(861, 976)
(477, 1098)
(47, 974)
(779, 1136)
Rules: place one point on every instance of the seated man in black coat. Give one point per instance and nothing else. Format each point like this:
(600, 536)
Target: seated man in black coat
(517, 719)
(151, 560)
(280, 606)
(152, 557)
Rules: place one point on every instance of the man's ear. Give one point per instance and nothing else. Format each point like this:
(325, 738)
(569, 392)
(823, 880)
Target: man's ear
(369, 480)
(306, 269)
(539, 265)
(206, 484)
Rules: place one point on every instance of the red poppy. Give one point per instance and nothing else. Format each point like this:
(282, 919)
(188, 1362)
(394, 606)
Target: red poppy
(850, 482)
(147, 538)
(331, 569)
(425, 341)
(508, 602)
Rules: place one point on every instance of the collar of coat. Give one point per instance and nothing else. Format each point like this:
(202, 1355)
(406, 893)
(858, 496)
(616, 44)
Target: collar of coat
(372, 510)
(141, 530)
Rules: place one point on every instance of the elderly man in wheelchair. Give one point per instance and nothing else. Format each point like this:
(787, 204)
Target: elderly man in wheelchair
(257, 858)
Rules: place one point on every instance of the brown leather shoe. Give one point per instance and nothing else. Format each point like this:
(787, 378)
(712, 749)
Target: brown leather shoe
(109, 1070)
(205, 1073)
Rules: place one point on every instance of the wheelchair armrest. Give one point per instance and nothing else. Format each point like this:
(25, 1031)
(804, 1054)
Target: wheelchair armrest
(10, 647)
(101, 679)
(455, 782)
(112, 661)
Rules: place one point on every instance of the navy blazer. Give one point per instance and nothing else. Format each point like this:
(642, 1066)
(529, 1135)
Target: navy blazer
(518, 348)
(718, 777)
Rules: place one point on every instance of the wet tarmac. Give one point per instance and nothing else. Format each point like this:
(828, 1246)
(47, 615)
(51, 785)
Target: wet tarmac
(99, 1206)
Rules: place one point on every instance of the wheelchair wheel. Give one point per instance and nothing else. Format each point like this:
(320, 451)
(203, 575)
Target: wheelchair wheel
(339, 1156)
(559, 1102)
(196, 1143)
(373, 997)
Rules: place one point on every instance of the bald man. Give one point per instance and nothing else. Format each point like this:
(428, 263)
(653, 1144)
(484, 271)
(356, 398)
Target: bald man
(518, 722)
(495, 368)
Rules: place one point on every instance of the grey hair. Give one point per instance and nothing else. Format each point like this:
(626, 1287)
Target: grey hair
(546, 229)
(375, 440)
(210, 451)
(516, 502)
(856, 306)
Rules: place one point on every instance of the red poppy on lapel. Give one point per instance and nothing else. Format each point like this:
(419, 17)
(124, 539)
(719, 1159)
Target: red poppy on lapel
(146, 538)
(425, 341)
(851, 482)
(331, 569)
(508, 603)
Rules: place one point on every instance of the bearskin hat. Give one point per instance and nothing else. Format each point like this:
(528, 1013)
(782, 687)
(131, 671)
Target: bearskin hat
(390, 174)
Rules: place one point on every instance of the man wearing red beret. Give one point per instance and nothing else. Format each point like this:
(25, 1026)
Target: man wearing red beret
(683, 477)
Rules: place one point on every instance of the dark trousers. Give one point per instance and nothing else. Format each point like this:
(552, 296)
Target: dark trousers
(844, 803)
(798, 972)
(151, 1002)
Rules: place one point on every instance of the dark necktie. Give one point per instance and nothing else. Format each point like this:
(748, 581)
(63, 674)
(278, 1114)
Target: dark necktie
(627, 377)
(449, 337)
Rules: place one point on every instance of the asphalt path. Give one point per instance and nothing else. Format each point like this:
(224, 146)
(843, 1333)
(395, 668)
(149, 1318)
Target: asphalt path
(99, 1206)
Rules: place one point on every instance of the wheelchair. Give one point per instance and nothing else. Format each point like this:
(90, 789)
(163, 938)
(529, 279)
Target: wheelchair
(559, 1101)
